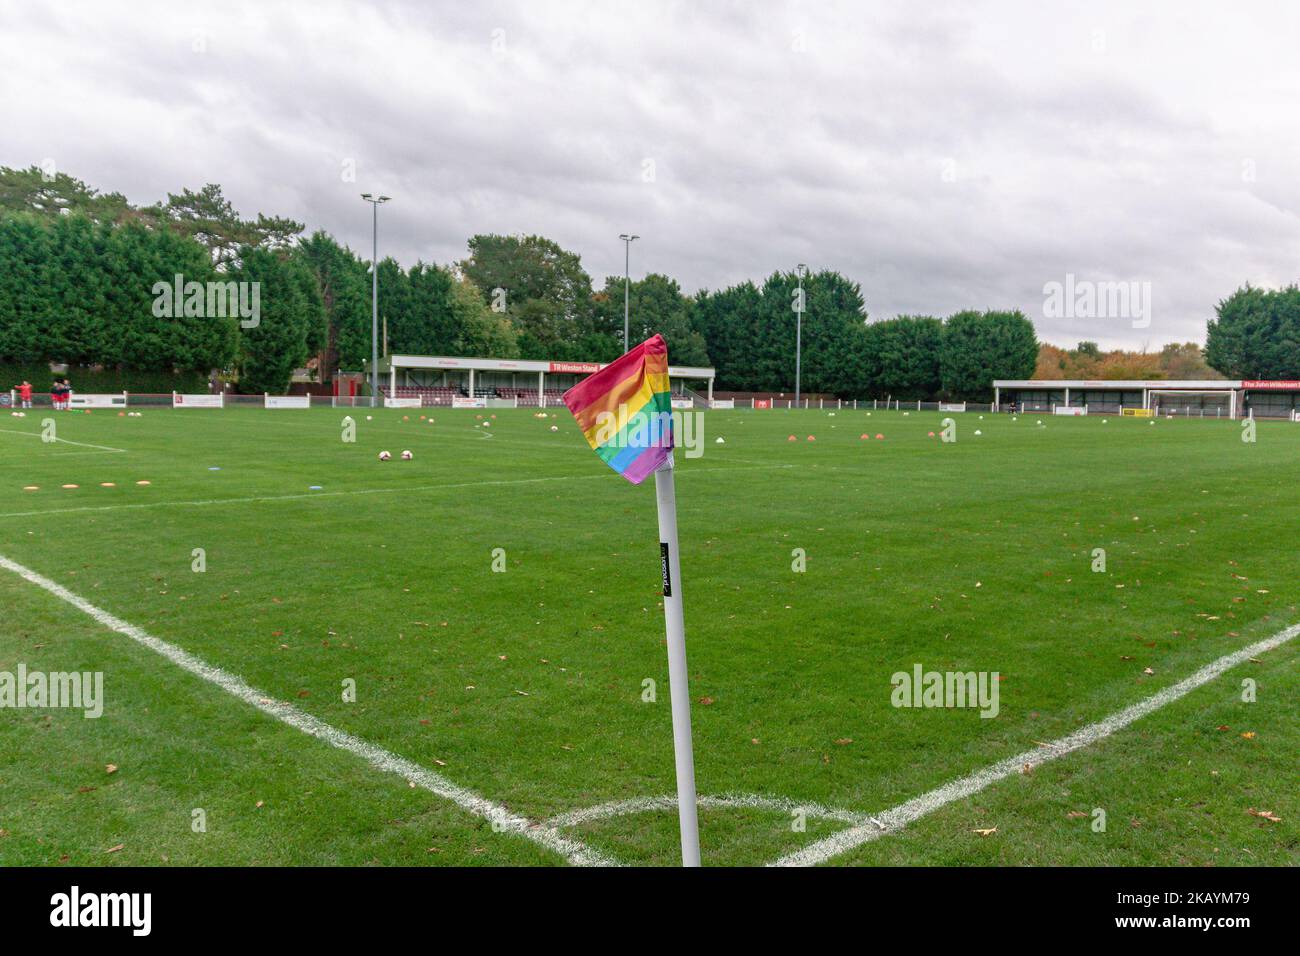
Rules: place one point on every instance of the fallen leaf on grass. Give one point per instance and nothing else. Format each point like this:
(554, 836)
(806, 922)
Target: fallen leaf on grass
(706, 701)
(110, 768)
(844, 741)
(114, 849)
(1268, 815)
(988, 832)
(1075, 815)
(1249, 734)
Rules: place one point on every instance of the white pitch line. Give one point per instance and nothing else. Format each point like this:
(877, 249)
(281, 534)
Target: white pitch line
(501, 818)
(891, 821)
(754, 801)
(63, 441)
(396, 489)
(208, 502)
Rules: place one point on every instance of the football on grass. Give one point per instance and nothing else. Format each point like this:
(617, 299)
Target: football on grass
(384, 456)
(407, 456)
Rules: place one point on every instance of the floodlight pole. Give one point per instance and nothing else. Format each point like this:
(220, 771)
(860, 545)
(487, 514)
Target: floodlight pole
(798, 334)
(375, 202)
(628, 239)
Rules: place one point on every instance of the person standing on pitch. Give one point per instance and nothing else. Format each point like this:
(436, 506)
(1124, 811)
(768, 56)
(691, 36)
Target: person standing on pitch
(25, 394)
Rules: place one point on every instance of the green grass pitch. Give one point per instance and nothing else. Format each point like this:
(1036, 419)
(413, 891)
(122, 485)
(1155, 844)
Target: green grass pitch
(526, 686)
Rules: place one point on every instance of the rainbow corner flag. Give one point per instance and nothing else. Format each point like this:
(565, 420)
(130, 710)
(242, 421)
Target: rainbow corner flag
(625, 410)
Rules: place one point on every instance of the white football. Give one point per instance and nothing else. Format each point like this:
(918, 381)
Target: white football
(555, 428)
(384, 456)
(407, 456)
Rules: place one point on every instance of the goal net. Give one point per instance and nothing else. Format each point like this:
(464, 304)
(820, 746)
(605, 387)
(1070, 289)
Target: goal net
(1215, 401)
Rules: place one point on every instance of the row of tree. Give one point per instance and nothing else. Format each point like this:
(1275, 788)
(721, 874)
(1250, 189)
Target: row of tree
(1177, 360)
(87, 293)
(78, 271)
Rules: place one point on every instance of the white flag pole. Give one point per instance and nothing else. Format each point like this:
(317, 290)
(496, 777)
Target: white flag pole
(675, 627)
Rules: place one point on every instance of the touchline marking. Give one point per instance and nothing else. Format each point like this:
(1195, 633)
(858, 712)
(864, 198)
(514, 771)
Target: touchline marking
(209, 502)
(891, 821)
(501, 818)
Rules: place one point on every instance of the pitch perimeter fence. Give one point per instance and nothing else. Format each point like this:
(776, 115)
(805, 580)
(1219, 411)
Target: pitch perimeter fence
(1167, 405)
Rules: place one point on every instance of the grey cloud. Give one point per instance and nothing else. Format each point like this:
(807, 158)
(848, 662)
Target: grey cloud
(780, 133)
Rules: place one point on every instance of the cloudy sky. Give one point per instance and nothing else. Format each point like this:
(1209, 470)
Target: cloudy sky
(944, 156)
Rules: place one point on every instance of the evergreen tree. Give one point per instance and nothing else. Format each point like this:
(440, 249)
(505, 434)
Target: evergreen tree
(1256, 334)
(979, 347)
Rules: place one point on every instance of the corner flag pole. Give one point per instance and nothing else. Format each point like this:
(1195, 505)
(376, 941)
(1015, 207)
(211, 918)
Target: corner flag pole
(675, 628)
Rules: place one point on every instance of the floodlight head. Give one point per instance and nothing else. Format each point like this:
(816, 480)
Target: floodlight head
(366, 196)
(385, 198)
(802, 269)
(627, 237)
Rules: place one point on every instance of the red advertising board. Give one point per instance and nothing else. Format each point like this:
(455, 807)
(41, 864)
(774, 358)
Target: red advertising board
(762, 403)
(1280, 386)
